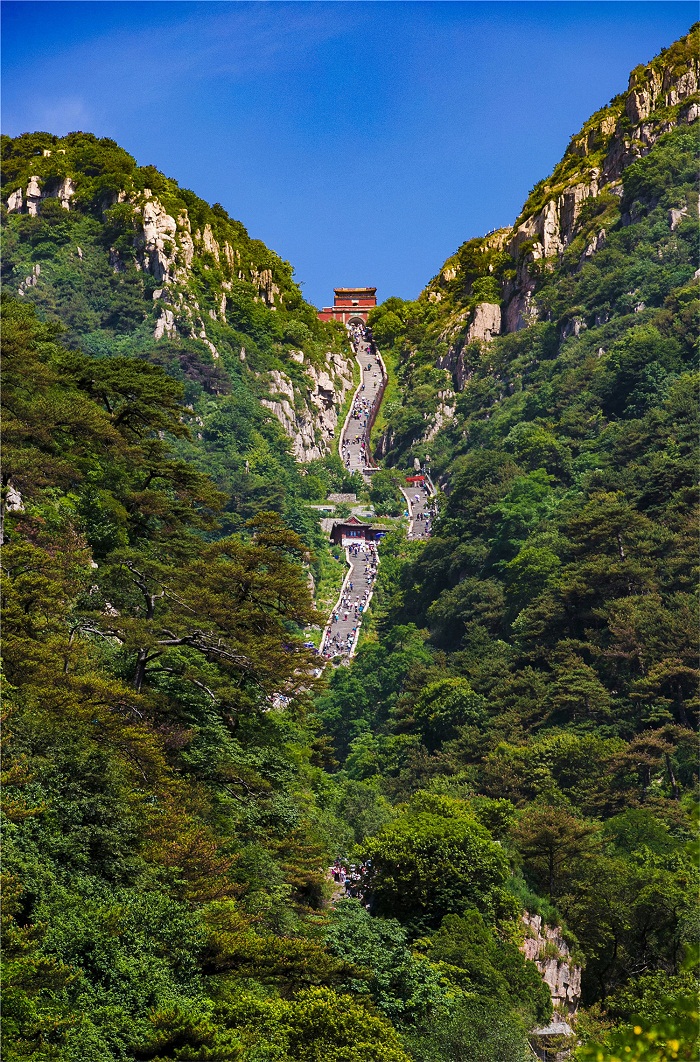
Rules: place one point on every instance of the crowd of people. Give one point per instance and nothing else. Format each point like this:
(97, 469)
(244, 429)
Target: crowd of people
(424, 514)
(354, 443)
(351, 878)
(342, 630)
(340, 636)
(359, 333)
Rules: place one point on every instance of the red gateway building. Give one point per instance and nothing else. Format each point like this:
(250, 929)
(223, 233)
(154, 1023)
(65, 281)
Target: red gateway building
(350, 305)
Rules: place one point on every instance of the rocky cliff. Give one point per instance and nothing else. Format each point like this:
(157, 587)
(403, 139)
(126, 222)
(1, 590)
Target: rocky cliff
(206, 282)
(489, 287)
(546, 947)
(311, 425)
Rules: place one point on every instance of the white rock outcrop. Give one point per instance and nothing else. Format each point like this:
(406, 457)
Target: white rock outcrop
(547, 948)
(158, 241)
(15, 202)
(65, 193)
(264, 282)
(13, 500)
(33, 196)
(30, 281)
(486, 323)
(675, 216)
(209, 243)
(554, 226)
(444, 413)
(165, 325)
(309, 416)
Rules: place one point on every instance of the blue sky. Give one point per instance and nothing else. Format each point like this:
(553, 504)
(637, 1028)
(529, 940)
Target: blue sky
(362, 141)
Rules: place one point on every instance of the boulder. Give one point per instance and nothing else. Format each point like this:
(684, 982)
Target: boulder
(33, 196)
(15, 202)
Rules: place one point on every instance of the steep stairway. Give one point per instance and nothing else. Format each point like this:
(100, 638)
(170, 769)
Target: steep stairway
(342, 631)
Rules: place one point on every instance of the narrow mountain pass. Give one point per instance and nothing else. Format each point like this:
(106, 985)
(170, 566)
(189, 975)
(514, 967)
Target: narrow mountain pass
(343, 627)
(342, 631)
(354, 440)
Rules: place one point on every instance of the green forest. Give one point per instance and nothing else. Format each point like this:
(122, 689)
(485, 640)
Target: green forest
(514, 743)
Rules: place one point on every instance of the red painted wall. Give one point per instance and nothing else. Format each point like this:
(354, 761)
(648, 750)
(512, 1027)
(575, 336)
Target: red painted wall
(353, 302)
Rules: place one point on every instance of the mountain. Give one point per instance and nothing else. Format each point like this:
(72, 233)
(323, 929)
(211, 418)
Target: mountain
(539, 651)
(131, 263)
(510, 755)
(631, 159)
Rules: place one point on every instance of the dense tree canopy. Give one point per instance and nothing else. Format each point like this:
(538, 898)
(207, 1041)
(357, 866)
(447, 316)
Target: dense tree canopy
(516, 732)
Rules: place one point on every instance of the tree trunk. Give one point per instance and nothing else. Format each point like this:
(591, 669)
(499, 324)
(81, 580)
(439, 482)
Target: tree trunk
(140, 671)
(672, 778)
(682, 716)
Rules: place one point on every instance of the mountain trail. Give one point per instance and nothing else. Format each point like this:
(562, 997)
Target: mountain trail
(342, 631)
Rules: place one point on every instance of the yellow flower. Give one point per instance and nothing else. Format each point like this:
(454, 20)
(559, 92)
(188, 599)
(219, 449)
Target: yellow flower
(637, 1030)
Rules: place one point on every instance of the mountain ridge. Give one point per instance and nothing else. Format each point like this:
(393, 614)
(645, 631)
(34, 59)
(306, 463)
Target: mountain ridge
(660, 96)
(203, 278)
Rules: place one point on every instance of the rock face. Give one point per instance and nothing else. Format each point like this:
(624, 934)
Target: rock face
(30, 201)
(166, 248)
(486, 323)
(444, 413)
(33, 196)
(660, 96)
(310, 420)
(15, 202)
(30, 281)
(483, 324)
(608, 137)
(65, 193)
(547, 948)
(157, 241)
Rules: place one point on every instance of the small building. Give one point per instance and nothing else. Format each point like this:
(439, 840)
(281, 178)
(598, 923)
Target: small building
(412, 480)
(345, 532)
(350, 305)
(554, 1042)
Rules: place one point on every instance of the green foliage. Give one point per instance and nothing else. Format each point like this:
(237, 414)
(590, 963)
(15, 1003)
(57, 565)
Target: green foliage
(551, 682)
(443, 707)
(307, 1028)
(436, 859)
(403, 987)
(516, 732)
(670, 1035)
(156, 751)
(471, 1030)
(468, 951)
(385, 495)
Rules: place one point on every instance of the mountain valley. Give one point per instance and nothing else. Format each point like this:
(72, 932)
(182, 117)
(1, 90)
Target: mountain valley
(470, 834)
